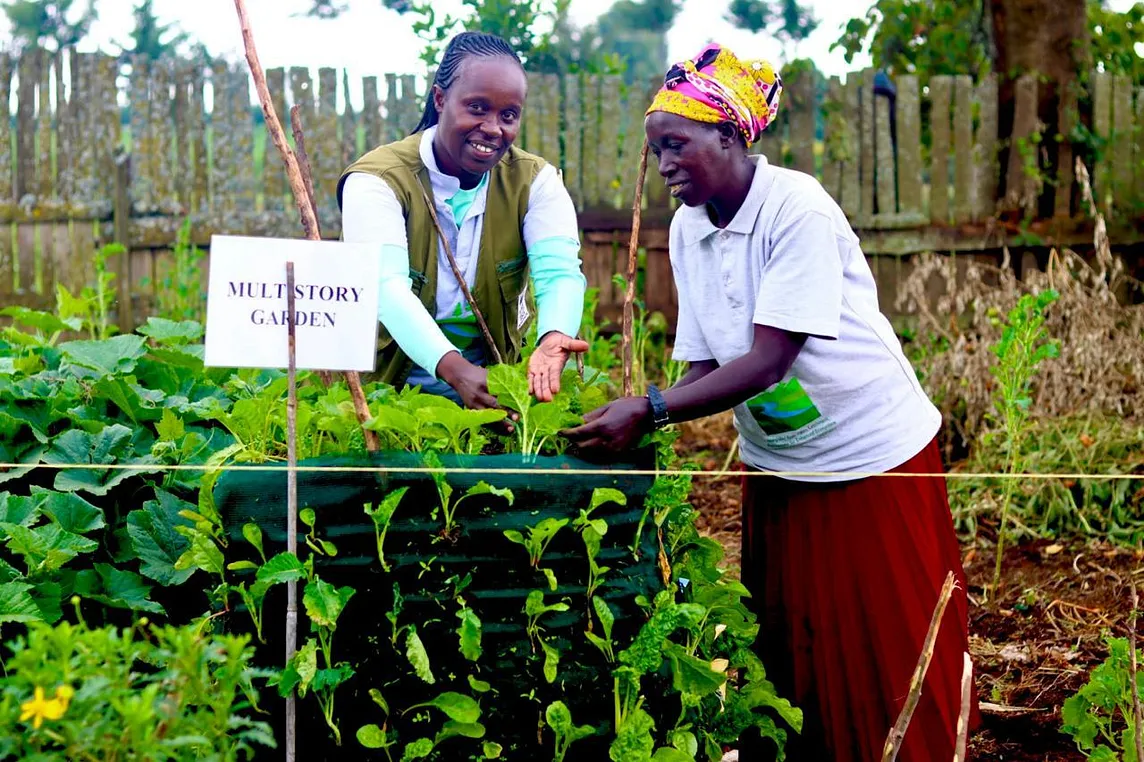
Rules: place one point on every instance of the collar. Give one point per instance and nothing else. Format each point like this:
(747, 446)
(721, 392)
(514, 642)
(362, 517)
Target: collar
(698, 223)
(445, 187)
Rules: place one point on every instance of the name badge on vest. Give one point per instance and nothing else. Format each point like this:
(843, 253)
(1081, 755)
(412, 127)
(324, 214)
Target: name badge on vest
(522, 308)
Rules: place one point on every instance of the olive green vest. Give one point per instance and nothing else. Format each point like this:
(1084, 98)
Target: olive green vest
(502, 264)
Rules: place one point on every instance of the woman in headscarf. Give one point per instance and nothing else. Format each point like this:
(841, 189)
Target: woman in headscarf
(779, 320)
(505, 216)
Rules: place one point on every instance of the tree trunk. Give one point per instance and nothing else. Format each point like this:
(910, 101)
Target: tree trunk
(1047, 39)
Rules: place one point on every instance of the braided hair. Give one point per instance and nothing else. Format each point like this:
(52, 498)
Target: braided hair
(459, 50)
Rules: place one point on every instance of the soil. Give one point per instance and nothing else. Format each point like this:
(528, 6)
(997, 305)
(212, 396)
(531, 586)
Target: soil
(1032, 647)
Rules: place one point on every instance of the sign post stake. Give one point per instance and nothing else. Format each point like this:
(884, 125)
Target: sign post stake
(291, 506)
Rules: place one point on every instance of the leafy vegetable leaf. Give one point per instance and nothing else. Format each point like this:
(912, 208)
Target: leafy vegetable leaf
(155, 539)
(324, 603)
(70, 511)
(16, 604)
(418, 656)
(117, 355)
(372, 737)
(469, 633)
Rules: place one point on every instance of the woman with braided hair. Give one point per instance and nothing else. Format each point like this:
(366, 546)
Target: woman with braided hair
(779, 321)
(503, 213)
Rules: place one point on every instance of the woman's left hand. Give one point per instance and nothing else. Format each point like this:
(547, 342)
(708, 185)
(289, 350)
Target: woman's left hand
(547, 364)
(614, 427)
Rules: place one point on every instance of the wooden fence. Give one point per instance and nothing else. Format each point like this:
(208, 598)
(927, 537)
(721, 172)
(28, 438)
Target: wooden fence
(100, 151)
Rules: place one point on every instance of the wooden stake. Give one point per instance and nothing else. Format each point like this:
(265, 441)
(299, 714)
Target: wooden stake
(966, 701)
(1137, 711)
(291, 506)
(303, 159)
(298, 189)
(898, 732)
(633, 261)
(460, 276)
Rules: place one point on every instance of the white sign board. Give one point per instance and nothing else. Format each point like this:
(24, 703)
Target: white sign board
(335, 303)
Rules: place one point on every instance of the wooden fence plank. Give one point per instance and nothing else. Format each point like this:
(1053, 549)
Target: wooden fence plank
(349, 125)
(323, 146)
(47, 177)
(85, 118)
(392, 127)
(26, 177)
(109, 132)
(591, 154)
(573, 135)
(1138, 149)
(909, 148)
(221, 142)
(197, 137)
(803, 113)
(142, 147)
(1102, 126)
(25, 281)
(62, 131)
(530, 138)
(7, 171)
(851, 164)
(411, 105)
(962, 149)
(241, 119)
(866, 154)
(165, 158)
(940, 87)
(181, 157)
(885, 175)
(1066, 172)
(551, 122)
(833, 134)
(634, 136)
(1122, 115)
(986, 169)
(655, 191)
(608, 153)
(1021, 186)
(273, 170)
(67, 109)
(371, 114)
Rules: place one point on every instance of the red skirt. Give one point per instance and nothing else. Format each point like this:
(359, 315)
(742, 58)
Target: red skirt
(844, 579)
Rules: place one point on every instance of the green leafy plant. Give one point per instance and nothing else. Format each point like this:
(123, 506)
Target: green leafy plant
(143, 692)
(1023, 346)
(445, 494)
(559, 719)
(1099, 717)
(381, 516)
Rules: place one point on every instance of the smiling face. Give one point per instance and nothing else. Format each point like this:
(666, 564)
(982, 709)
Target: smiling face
(695, 159)
(479, 116)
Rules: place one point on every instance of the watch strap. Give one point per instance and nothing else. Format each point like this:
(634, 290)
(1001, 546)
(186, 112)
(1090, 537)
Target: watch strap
(659, 414)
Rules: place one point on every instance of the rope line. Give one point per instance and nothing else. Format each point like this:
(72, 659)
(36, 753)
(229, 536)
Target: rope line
(716, 474)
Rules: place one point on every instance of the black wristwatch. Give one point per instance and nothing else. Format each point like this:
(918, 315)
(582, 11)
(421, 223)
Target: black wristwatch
(659, 417)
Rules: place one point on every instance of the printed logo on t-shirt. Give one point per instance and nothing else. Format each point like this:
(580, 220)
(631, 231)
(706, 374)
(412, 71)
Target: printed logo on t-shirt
(460, 327)
(787, 415)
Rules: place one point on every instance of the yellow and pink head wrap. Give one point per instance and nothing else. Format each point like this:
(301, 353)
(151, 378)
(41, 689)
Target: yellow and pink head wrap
(716, 86)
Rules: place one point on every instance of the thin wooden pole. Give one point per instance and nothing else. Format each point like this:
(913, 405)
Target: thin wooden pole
(460, 276)
(898, 732)
(633, 260)
(301, 197)
(291, 505)
(1137, 711)
(966, 702)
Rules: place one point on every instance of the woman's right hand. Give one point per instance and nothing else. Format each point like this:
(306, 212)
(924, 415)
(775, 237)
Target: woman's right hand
(469, 381)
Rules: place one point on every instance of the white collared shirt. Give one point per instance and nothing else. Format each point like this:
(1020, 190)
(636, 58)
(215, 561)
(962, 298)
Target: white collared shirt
(789, 259)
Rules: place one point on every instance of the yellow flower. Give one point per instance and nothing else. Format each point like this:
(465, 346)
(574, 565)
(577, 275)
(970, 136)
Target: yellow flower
(40, 709)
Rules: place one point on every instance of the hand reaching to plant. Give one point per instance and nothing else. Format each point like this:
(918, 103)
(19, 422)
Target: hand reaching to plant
(614, 427)
(547, 364)
(471, 383)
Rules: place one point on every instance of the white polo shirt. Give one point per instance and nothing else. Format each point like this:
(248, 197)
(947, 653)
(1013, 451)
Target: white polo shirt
(789, 259)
